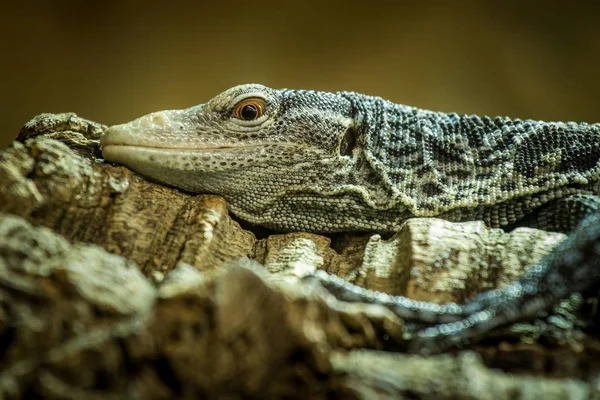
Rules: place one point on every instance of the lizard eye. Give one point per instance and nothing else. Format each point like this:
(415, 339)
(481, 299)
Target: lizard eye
(249, 109)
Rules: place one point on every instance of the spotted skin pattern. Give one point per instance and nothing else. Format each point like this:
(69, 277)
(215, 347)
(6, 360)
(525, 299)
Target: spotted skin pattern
(335, 162)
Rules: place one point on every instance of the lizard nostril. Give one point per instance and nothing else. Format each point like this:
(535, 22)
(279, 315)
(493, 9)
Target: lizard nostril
(157, 119)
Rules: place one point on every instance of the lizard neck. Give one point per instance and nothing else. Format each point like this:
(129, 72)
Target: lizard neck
(433, 162)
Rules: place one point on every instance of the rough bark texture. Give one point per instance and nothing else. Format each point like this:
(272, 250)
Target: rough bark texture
(112, 286)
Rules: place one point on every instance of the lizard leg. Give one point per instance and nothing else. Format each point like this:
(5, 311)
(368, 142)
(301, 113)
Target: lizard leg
(404, 307)
(560, 215)
(572, 267)
(554, 277)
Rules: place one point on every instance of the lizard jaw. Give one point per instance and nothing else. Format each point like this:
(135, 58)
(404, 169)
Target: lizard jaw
(197, 160)
(192, 170)
(148, 140)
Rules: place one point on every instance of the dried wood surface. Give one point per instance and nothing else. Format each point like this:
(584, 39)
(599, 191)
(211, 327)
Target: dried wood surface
(113, 286)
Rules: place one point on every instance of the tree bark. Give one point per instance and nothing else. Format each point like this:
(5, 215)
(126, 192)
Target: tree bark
(113, 286)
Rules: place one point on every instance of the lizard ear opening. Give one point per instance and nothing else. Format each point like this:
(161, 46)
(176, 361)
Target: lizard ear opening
(348, 142)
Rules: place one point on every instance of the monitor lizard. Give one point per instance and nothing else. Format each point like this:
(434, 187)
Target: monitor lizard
(332, 162)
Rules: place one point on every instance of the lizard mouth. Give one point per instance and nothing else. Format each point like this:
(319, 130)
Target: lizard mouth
(132, 153)
(115, 137)
(178, 149)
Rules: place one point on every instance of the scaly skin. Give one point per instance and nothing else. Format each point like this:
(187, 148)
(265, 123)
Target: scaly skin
(331, 162)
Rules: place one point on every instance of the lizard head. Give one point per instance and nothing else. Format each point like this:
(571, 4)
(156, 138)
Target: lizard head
(246, 128)
(281, 158)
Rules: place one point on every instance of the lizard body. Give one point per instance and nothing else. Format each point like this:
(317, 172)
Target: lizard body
(330, 162)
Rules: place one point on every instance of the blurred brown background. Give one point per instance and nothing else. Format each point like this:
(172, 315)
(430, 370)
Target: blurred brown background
(111, 61)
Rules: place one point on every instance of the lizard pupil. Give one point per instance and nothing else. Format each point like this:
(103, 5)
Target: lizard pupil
(249, 112)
